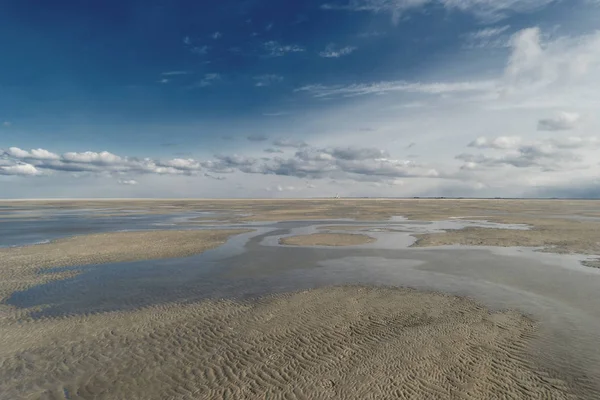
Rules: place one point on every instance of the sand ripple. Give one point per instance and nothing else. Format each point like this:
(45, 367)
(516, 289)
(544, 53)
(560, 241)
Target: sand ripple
(336, 342)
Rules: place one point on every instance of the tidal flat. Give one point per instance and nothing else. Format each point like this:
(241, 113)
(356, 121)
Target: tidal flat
(331, 298)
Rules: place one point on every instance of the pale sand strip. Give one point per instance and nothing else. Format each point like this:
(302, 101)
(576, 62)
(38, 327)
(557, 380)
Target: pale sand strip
(327, 239)
(337, 342)
(19, 266)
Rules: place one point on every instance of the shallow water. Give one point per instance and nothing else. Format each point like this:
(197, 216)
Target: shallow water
(32, 227)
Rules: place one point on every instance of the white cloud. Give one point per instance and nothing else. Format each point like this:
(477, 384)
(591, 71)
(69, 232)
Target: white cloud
(127, 182)
(548, 154)
(6, 123)
(216, 35)
(23, 162)
(90, 157)
(563, 121)
(332, 52)
(34, 154)
(561, 64)
(502, 142)
(21, 169)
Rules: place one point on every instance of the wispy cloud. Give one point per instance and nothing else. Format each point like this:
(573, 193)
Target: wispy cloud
(208, 80)
(370, 34)
(275, 49)
(200, 50)
(332, 52)
(273, 150)
(127, 182)
(319, 90)
(297, 144)
(492, 37)
(486, 10)
(6, 123)
(257, 138)
(276, 114)
(216, 35)
(175, 73)
(267, 79)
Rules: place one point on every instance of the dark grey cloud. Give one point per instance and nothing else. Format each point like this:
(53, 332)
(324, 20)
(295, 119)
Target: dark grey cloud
(257, 138)
(561, 122)
(272, 150)
(356, 153)
(290, 143)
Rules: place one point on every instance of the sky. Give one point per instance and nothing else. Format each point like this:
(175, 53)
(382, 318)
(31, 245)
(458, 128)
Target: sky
(273, 99)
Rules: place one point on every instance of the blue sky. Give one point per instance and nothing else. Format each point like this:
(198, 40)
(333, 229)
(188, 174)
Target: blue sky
(298, 99)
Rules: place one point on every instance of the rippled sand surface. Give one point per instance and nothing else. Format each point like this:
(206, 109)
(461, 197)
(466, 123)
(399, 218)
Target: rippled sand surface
(335, 342)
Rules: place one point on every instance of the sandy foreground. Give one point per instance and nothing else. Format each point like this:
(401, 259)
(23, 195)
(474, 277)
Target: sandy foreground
(327, 239)
(19, 266)
(336, 342)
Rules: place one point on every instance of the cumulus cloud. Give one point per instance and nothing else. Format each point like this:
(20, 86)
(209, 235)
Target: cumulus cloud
(563, 121)
(332, 52)
(32, 162)
(348, 163)
(548, 154)
(502, 142)
(21, 169)
(34, 154)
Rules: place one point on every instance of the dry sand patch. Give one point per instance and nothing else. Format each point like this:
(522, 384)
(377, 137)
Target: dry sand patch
(338, 342)
(327, 239)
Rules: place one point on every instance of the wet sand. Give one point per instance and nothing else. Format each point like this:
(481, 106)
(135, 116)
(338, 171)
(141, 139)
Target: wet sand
(327, 239)
(336, 342)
